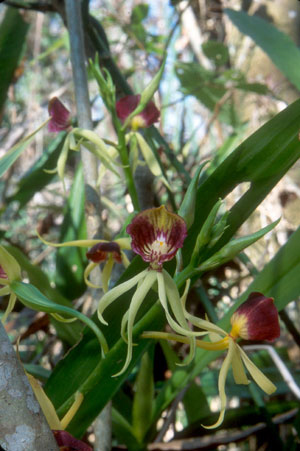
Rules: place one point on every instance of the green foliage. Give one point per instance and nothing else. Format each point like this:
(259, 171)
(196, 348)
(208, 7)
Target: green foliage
(284, 54)
(216, 51)
(195, 188)
(71, 262)
(13, 31)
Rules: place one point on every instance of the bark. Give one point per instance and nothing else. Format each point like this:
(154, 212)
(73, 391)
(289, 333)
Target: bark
(23, 426)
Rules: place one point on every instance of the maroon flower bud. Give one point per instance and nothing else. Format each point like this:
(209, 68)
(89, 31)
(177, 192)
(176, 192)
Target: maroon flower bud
(126, 105)
(67, 442)
(256, 319)
(100, 251)
(156, 235)
(3, 275)
(60, 116)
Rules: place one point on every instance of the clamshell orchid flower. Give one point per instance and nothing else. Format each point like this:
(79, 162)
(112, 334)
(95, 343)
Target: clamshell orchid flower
(60, 116)
(156, 236)
(108, 252)
(255, 319)
(126, 105)
(10, 271)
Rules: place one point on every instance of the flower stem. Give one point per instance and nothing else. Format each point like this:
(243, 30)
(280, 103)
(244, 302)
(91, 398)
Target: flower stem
(122, 148)
(209, 346)
(187, 273)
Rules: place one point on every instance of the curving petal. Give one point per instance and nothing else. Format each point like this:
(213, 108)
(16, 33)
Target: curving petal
(4, 290)
(135, 304)
(86, 274)
(238, 367)
(124, 243)
(125, 260)
(77, 243)
(62, 159)
(262, 381)
(106, 272)
(221, 385)
(169, 291)
(9, 308)
(116, 292)
(60, 318)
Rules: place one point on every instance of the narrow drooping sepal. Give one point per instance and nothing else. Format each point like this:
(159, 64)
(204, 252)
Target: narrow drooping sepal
(126, 105)
(256, 319)
(156, 235)
(60, 116)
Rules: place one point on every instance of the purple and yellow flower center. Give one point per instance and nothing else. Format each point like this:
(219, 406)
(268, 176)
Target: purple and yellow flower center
(156, 235)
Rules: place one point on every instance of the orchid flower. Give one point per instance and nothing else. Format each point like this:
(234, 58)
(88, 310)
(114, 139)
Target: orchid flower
(156, 235)
(109, 252)
(255, 319)
(60, 116)
(9, 271)
(126, 105)
(60, 120)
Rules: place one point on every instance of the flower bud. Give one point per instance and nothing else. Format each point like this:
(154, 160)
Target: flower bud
(60, 116)
(99, 252)
(256, 319)
(126, 105)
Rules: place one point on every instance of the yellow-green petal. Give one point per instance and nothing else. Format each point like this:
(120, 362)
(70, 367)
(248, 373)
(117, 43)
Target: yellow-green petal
(87, 272)
(10, 307)
(116, 292)
(62, 159)
(45, 403)
(106, 272)
(73, 410)
(262, 381)
(221, 385)
(77, 243)
(10, 265)
(135, 304)
(238, 367)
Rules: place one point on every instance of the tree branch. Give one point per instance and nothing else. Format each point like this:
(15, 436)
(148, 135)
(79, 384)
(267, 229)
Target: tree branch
(22, 423)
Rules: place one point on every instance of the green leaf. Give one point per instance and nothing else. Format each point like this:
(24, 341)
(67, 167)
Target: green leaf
(187, 208)
(139, 13)
(278, 46)
(35, 179)
(10, 157)
(195, 403)
(262, 159)
(13, 31)
(122, 429)
(201, 83)
(66, 332)
(216, 51)
(30, 296)
(71, 261)
(258, 88)
(143, 398)
(234, 247)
